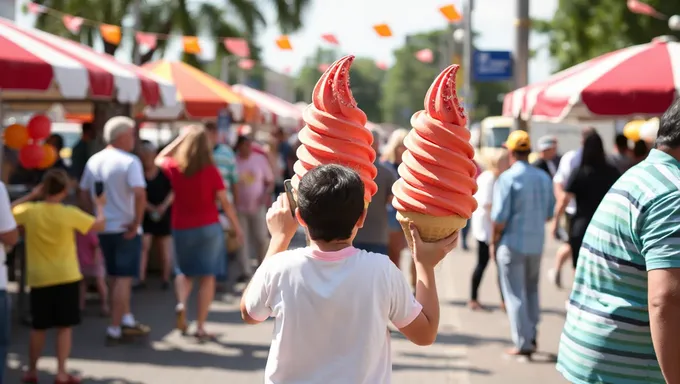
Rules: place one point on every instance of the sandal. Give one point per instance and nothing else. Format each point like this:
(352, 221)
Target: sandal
(204, 337)
(29, 378)
(70, 379)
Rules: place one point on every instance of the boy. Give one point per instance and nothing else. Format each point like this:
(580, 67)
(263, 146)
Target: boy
(52, 266)
(332, 302)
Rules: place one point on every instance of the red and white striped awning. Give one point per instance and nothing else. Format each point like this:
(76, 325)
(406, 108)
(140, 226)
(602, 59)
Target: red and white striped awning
(274, 110)
(38, 66)
(642, 80)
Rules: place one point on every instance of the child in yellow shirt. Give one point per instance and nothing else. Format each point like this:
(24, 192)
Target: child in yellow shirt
(52, 265)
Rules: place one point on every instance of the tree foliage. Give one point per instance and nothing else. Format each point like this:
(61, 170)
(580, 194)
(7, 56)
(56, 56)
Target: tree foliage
(408, 80)
(583, 29)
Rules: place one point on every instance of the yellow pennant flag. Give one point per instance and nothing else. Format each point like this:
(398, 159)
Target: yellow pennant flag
(450, 13)
(283, 42)
(191, 45)
(110, 33)
(383, 30)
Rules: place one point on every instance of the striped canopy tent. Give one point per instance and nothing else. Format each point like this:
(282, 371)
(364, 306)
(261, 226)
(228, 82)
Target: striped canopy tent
(275, 110)
(199, 95)
(38, 69)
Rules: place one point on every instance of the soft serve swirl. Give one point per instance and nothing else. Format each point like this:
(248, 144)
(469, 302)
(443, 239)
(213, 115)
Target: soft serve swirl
(335, 130)
(437, 171)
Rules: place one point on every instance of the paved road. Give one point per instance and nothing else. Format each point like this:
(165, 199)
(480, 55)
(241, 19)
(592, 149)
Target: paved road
(468, 350)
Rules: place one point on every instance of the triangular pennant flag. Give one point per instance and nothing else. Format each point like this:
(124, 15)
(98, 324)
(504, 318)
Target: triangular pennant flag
(191, 45)
(641, 8)
(330, 39)
(35, 8)
(148, 40)
(425, 55)
(283, 42)
(237, 46)
(246, 64)
(383, 30)
(72, 23)
(323, 67)
(110, 33)
(450, 13)
(381, 65)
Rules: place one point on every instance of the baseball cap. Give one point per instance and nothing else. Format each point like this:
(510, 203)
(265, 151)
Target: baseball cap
(518, 141)
(546, 142)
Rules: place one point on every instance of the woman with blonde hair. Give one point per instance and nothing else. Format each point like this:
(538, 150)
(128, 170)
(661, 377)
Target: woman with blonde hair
(196, 231)
(392, 158)
(481, 221)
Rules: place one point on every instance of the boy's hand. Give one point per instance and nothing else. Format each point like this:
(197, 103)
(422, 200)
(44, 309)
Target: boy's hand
(279, 220)
(430, 254)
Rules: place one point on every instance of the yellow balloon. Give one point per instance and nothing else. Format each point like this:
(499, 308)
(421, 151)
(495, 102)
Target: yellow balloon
(632, 130)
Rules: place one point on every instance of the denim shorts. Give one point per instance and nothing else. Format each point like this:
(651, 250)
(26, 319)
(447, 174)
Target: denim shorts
(199, 251)
(122, 256)
(375, 248)
(392, 221)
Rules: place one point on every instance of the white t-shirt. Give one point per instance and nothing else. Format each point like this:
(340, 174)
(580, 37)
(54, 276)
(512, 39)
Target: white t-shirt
(332, 310)
(481, 217)
(120, 172)
(7, 224)
(569, 163)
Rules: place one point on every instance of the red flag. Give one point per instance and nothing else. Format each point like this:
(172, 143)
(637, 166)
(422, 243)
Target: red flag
(72, 23)
(149, 40)
(425, 55)
(237, 46)
(330, 39)
(641, 8)
(382, 65)
(246, 64)
(35, 8)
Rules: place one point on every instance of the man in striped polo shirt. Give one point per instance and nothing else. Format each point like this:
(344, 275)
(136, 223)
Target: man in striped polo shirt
(623, 319)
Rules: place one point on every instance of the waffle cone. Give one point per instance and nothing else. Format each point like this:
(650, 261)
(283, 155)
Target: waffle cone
(430, 228)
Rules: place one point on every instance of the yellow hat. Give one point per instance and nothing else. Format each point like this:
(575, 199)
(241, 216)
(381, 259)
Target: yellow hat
(518, 141)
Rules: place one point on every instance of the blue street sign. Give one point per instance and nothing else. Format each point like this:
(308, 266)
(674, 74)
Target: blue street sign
(492, 65)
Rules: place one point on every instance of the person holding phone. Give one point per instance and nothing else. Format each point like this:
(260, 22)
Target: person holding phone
(121, 174)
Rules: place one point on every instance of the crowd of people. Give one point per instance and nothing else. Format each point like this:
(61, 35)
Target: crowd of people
(204, 205)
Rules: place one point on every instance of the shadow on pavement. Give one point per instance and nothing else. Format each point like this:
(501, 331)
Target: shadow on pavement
(431, 368)
(496, 308)
(460, 339)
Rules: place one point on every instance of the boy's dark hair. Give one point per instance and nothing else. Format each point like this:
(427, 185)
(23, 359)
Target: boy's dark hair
(331, 201)
(55, 181)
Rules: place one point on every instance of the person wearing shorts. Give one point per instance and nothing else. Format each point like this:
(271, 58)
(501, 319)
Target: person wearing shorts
(52, 271)
(123, 178)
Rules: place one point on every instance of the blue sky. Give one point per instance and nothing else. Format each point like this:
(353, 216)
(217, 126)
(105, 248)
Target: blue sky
(352, 20)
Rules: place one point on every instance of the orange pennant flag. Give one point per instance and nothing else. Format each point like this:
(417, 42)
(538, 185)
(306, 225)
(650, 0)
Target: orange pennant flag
(383, 30)
(450, 13)
(110, 33)
(191, 45)
(283, 42)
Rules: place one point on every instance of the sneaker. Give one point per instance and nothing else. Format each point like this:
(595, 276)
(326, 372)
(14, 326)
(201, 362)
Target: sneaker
(555, 277)
(138, 329)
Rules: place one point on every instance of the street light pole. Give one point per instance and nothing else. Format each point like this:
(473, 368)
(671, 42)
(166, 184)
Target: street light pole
(522, 25)
(467, 56)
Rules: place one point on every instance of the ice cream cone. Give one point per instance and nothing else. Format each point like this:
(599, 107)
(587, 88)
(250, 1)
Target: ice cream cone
(430, 228)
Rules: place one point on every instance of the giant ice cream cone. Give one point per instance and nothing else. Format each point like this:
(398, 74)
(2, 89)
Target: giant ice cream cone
(335, 131)
(437, 174)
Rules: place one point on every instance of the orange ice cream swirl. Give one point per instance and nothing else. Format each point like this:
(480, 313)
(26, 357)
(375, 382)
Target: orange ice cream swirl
(437, 173)
(335, 131)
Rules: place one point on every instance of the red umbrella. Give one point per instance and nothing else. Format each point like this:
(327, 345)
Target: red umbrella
(635, 81)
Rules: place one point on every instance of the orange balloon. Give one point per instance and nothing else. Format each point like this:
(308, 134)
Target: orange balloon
(49, 156)
(16, 136)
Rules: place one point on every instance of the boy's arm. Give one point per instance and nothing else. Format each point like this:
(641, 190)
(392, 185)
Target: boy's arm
(422, 324)
(254, 302)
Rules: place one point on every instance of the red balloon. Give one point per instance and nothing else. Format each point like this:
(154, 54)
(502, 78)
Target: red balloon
(39, 127)
(31, 156)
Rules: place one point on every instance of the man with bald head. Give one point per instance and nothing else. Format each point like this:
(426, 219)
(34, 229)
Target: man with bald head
(373, 236)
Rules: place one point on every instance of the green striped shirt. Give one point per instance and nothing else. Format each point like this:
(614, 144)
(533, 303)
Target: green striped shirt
(606, 337)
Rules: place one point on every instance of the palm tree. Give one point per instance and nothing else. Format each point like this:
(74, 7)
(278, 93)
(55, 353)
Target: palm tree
(233, 18)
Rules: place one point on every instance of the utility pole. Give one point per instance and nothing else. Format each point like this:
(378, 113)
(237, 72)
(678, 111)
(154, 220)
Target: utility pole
(522, 25)
(137, 12)
(467, 56)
